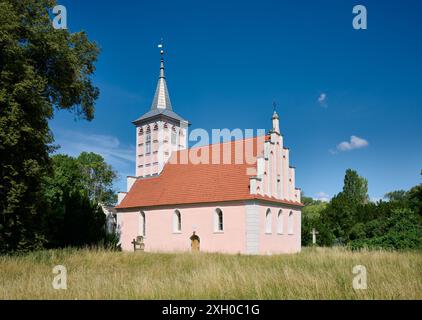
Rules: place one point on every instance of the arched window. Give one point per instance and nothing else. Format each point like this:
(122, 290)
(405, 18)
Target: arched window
(280, 222)
(142, 224)
(218, 220)
(173, 135)
(268, 221)
(148, 141)
(155, 127)
(290, 222)
(177, 221)
(141, 131)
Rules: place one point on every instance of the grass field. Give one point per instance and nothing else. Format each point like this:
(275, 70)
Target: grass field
(316, 273)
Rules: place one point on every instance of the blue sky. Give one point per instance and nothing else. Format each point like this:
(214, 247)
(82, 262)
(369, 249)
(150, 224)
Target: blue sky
(227, 61)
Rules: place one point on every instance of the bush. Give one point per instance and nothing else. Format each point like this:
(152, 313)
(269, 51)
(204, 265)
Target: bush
(111, 242)
(401, 230)
(75, 221)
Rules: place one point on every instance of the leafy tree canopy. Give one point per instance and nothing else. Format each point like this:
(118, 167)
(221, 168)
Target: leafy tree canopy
(355, 188)
(41, 69)
(74, 191)
(350, 219)
(88, 174)
(97, 178)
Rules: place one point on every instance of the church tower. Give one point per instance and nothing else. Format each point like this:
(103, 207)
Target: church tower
(159, 132)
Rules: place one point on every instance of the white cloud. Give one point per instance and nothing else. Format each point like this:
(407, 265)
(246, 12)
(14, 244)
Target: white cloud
(322, 196)
(121, 157)
(116, 154)
(322, 100)
(354, 143)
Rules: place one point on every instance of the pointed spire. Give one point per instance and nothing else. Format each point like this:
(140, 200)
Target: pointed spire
(275, 114)
(161, 97)
(162, 69)
(276, 124)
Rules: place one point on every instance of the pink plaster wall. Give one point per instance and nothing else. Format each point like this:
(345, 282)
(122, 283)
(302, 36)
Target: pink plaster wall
(160, 235)
(276, 242)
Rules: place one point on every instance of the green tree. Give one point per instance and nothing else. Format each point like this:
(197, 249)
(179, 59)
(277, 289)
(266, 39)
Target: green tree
(306, 200)
(65, 178)
(325, 236)
(415, 198)
(355, 188)
(41, 69)
(402, 229)
(311, 219)
(342, 213)
(75, 217)
(314, 208)
(398, 195)
(97, 178)
(350, 219)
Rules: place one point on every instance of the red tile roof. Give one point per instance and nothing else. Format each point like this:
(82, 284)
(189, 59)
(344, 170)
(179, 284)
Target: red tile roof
(192, 183)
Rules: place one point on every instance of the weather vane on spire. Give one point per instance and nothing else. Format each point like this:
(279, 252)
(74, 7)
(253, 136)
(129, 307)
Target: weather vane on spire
(274, 106)
(160, 45)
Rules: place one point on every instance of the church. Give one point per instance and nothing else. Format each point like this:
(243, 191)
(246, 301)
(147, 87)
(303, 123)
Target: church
(231, 197)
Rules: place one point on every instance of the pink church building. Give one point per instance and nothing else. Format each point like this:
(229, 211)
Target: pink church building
(231, 197)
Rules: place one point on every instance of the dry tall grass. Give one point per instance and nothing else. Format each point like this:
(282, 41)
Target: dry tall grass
(313, 274)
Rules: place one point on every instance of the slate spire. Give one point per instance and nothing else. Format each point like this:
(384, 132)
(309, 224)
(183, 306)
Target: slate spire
(161, 98)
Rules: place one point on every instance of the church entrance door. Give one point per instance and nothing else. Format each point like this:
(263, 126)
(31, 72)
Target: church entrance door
(194, 242)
